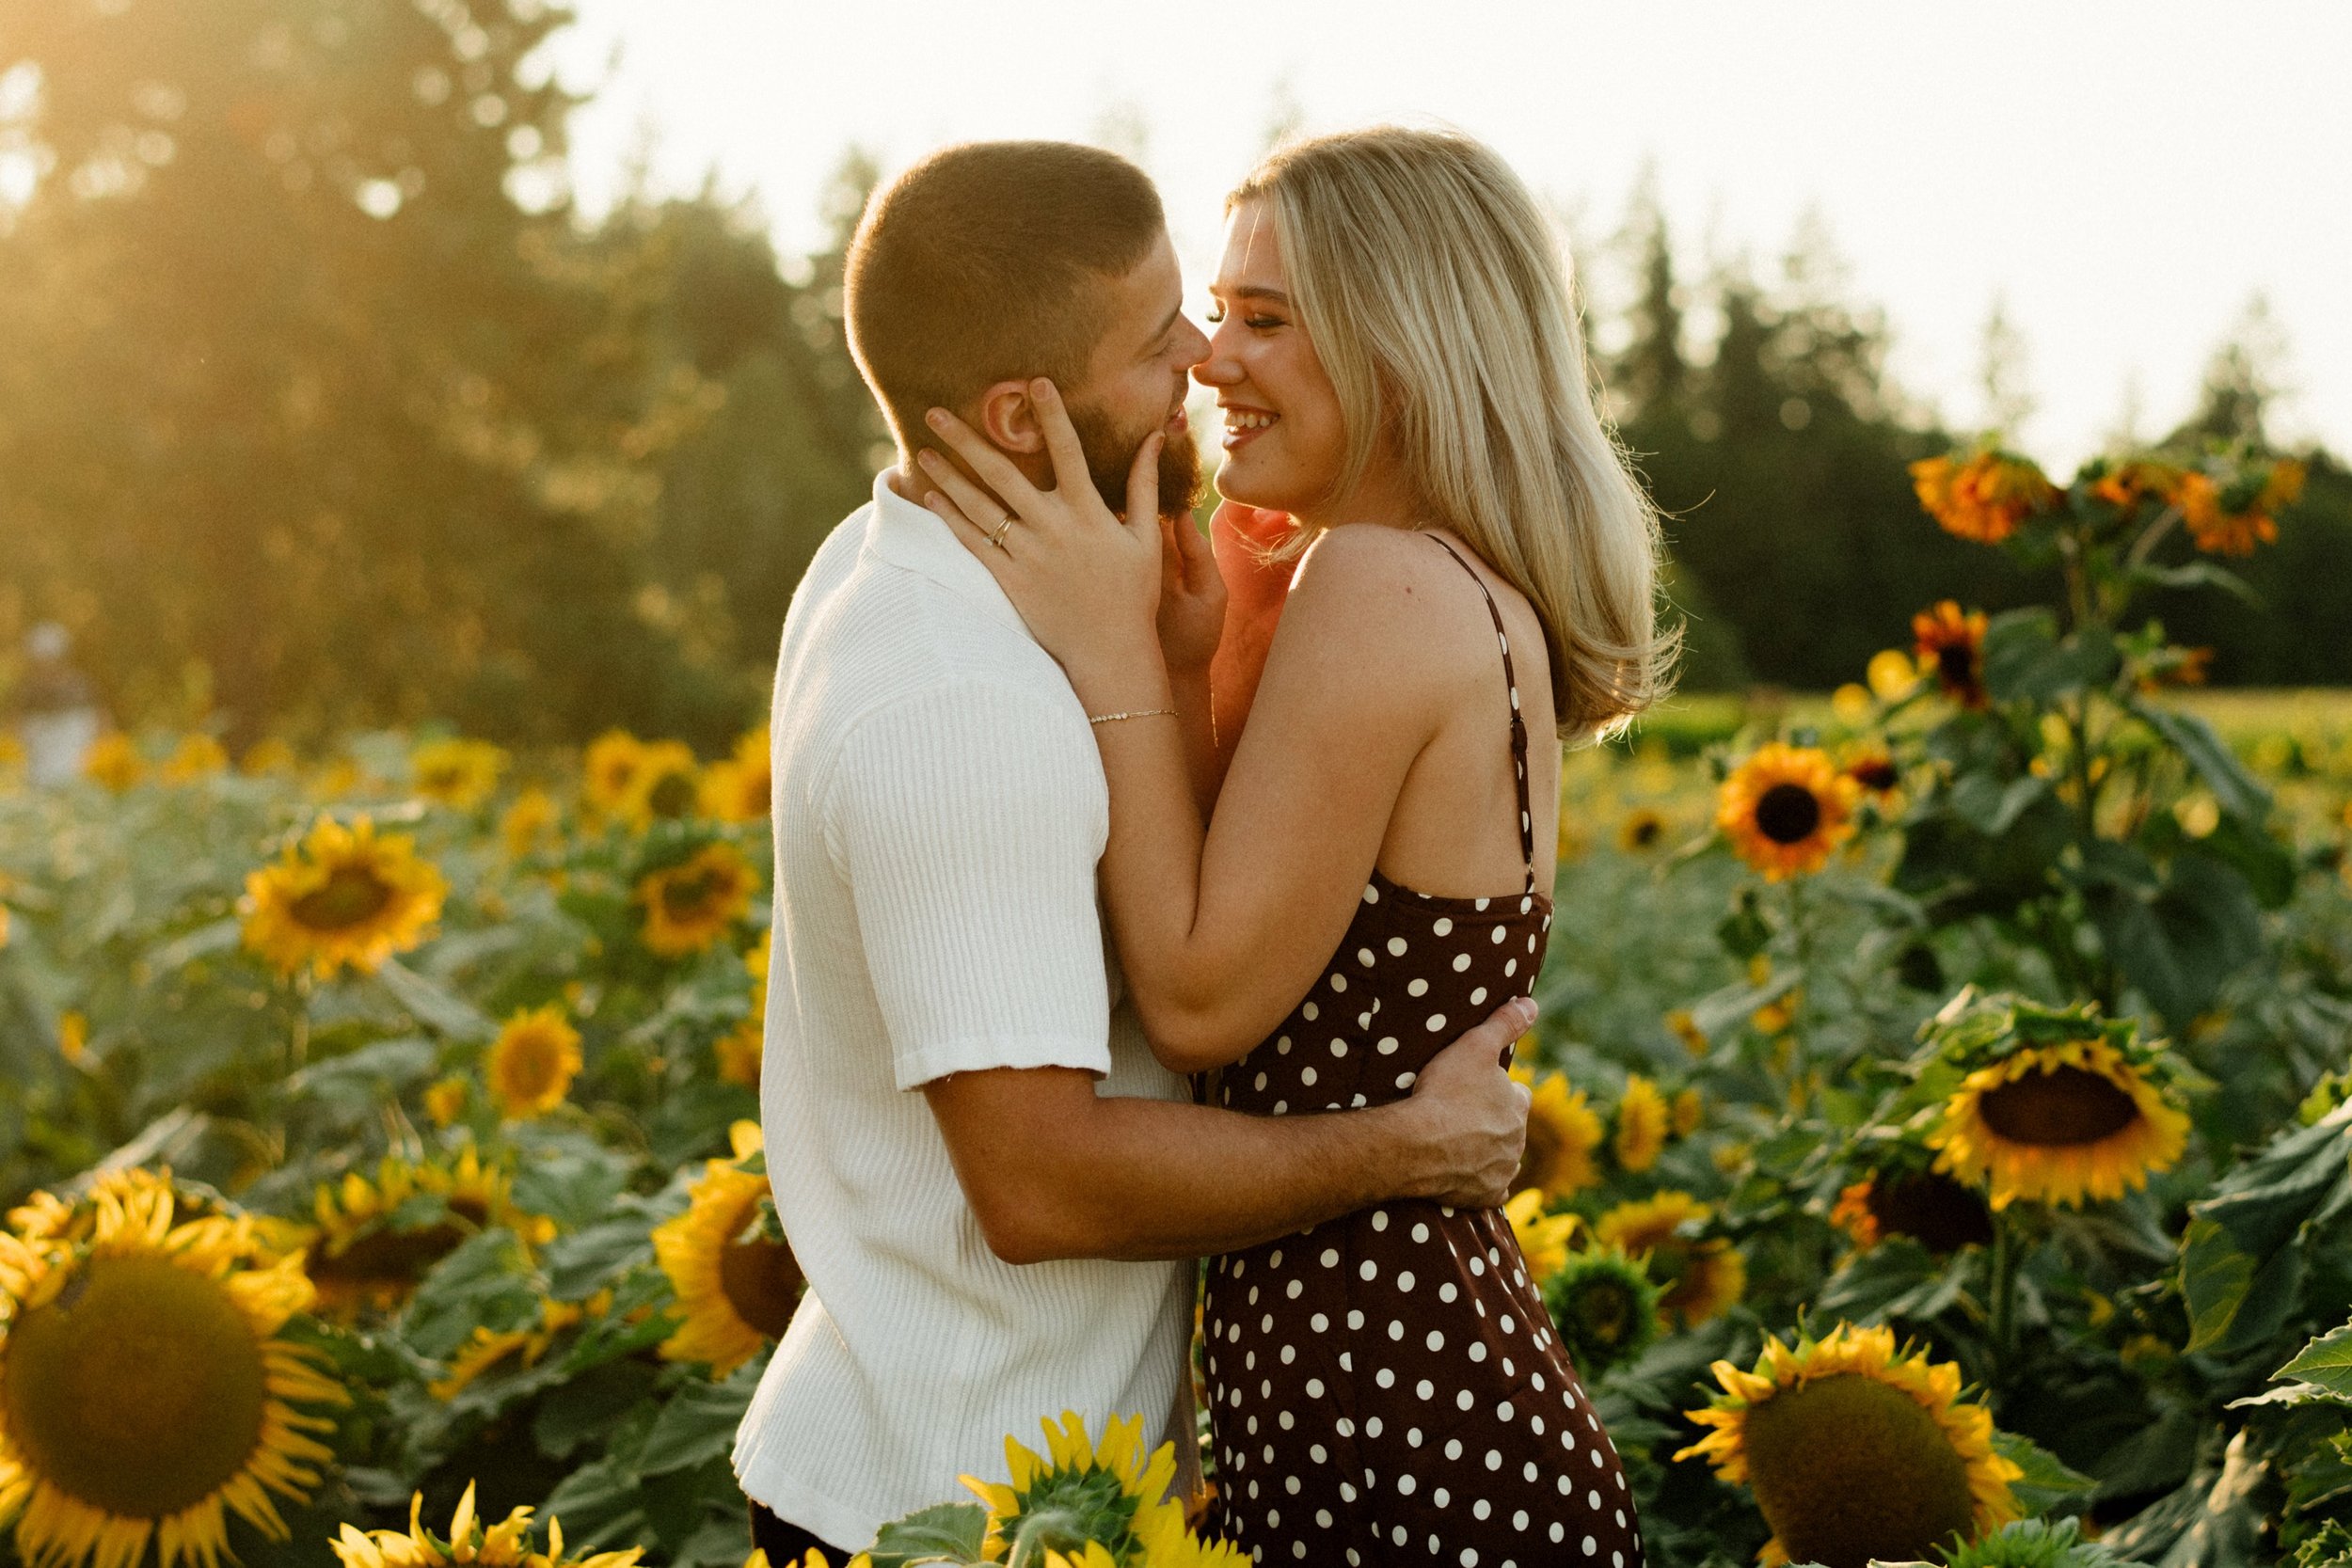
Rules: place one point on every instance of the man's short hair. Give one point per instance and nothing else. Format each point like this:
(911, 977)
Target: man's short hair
(983, 262)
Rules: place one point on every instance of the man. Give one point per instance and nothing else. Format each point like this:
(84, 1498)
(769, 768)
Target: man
(1014, 1241)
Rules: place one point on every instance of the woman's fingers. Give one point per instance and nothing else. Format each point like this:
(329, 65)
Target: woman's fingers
(1070, 478)
(975, 504)
(1143, 483)
(995, 469)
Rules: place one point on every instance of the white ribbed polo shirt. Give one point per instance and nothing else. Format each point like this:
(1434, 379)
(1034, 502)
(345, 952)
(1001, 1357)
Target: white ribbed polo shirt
(939, 807)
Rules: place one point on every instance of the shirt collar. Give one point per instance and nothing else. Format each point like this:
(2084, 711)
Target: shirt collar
(913, 537)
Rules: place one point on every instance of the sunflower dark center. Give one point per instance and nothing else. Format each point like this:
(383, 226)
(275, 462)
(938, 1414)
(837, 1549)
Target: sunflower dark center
(673, 794)
(688, 895)
(1847, 1468)
(2065, 1106)
(141, 1394)
(1956, 662)
(1787, 813)
(1876, 775)
(532, 1066)
(1604, 1310)
(1933, 1210)
(386, 1257)
(761, 1278)
(353, 895)
(1645, 830)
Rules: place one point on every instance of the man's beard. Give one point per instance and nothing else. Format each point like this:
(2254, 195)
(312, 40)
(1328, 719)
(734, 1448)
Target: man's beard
(1110, 456)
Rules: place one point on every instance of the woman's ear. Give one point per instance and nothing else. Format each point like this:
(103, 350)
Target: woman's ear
(1009, 418)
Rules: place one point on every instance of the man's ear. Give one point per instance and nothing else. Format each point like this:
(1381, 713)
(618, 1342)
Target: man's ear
(1009, 418)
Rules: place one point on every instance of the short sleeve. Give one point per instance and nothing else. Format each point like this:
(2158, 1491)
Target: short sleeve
(969, 821)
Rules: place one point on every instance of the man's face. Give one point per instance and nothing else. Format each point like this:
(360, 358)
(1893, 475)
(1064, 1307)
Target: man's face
(1135, 382)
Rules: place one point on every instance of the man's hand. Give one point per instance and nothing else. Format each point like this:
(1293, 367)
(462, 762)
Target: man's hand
(1471, 1123)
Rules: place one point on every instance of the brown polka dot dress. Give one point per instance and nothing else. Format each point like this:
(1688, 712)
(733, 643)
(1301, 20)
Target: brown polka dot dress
(1387, 1387)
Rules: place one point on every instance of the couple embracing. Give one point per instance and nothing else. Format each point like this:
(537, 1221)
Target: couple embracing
(1060, 827)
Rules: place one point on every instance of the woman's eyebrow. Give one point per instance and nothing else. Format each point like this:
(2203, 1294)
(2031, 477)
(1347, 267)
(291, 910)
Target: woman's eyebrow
(1249, 290)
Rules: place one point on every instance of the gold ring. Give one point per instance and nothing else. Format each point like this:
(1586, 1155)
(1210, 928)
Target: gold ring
(997, 537)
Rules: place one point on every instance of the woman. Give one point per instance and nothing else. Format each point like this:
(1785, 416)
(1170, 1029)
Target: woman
(1401, 373)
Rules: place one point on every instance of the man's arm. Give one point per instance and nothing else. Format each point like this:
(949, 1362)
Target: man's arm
(1052, 1170)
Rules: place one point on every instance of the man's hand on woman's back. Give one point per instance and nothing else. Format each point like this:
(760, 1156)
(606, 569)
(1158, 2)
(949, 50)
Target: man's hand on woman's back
(1471, 1115)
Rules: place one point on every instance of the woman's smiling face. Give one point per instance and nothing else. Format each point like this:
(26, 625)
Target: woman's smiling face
(1286, 440)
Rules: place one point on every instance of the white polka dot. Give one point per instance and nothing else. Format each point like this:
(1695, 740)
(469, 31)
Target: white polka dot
(1478, 1350)
(1412, 1438)
(1591, 1545)
(1436, 1021)
(1591, 1500)
(1372, 893)
(1404, 1486)
(1465, 1399)
(1420, 1233)
(1384, 1377)
(1478, 997)
(1314, 1384)
(1425, 1388)
(1282, 1045)
(1504, 1411)
(1405, 1079)
(1494, 1458)
(1558, 1530)
(1323, 1518)
(1508, 969)
(1417, 987)
(1339, 982)
(1479, 1508)
(1355, 1319)
(1396, 1329)
(1295, 1287)
(1518, 1520)
(1405, 1280)
(1372, 1428)
(1447, 1292)
(1469, 1556)
(1443, 927)
(1306, 1075)
(1508, 1326)
(1345, 1428)
(1453, 1447)
(1364, 956)
(1310, 1012)
(1387, 1046)
(1289, 1355)
(1461, 963)
(1339, 1048)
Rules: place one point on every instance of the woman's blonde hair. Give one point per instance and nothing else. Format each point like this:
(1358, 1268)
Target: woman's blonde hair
(1438, 297)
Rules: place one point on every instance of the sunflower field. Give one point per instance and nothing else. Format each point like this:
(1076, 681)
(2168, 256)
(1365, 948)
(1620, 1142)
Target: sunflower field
(1941, 1143)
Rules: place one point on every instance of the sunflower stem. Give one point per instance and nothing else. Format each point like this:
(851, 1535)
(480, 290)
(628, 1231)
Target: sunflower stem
(2003, 1303)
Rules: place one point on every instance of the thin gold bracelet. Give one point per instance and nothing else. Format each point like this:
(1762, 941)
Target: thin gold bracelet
(1142, 713)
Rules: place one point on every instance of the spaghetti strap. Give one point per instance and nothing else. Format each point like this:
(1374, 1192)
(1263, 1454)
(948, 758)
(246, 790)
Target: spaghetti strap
(1518, 724)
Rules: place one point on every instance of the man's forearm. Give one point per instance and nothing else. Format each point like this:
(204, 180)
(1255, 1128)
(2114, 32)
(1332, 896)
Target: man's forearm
(1146, 1179)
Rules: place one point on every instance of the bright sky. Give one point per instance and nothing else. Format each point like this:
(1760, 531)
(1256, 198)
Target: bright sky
(2124, 176)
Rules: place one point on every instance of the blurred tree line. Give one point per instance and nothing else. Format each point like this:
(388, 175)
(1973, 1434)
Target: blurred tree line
(321, 406)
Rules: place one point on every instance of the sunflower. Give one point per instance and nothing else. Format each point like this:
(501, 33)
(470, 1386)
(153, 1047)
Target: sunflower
(1702, 1277)
(735, 790)
(267, 757)
(530, 823)
(445, 1099)
(1873, 767)
(1606, 1308)
(460, 774)
(1081, 1499)
(1642, 830)
(1983, 499)
(666, 785)
(114, 761)
(1643, 1119)
(1857, 1452)
(689, 905)
(152, 1334)
(2055, 1105)
(532, 1062)
(608, 769)
(342, 896)
(1690, 1109)
(1927, 1206)
(740, 1050)
(1953, 645)
(369, 1246)
(505, 1544)
(488, 1347)
(1563, 1135)
(1683, 1026)
(197, 756)
(1786, 809)
(2220, 528)
(2058, 1124)
(736, 1285)
(1543, 1238)
(1892, 675)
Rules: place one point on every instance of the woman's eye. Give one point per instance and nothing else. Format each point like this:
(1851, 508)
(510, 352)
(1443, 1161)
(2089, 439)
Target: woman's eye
(1260, 323)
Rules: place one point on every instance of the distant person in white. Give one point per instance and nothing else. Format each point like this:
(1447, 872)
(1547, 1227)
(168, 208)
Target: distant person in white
(57, 713)
(1015, 1239)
